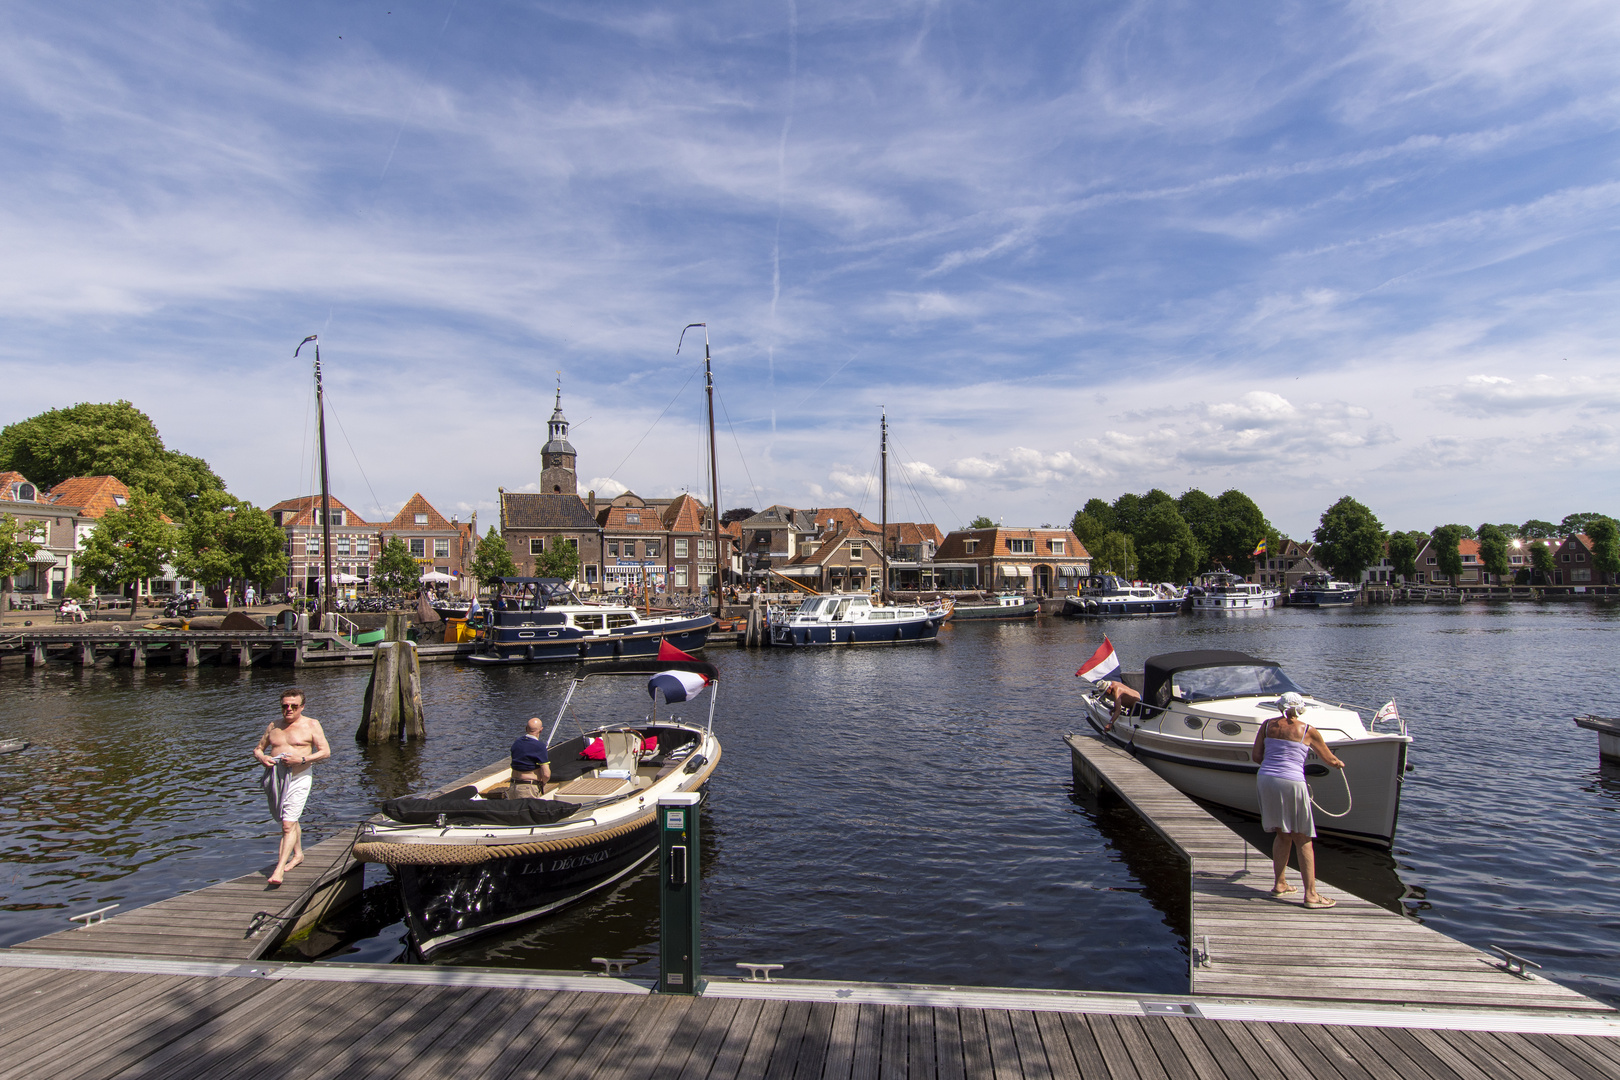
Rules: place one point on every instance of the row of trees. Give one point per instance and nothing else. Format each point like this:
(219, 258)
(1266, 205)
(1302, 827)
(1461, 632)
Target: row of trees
(1160, 538)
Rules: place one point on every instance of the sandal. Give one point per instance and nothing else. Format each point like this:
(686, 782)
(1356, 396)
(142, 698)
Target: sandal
(1322, 904)
(1286, 890)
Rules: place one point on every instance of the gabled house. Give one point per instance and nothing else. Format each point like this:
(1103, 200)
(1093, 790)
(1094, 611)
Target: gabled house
(911, 549)
(1575, 563)
(1044, 562)
(771, 538)
(58, 527)
(837, 559)
(439, 545)
(356, 544)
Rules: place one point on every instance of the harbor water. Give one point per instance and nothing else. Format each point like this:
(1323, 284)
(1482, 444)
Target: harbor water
(886, 814)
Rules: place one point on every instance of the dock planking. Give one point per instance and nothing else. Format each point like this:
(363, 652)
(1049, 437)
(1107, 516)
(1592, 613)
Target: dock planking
(222, 921)
(1259, 946)
(73, 1024)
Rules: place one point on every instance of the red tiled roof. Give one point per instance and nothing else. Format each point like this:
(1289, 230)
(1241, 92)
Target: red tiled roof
(910, 533)
(93, 495)
(684, 514)
(406, 518)
(302, 511)
(9, 481)
(993, 544)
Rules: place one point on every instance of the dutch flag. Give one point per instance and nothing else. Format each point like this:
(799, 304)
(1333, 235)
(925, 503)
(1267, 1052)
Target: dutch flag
(1102, 663)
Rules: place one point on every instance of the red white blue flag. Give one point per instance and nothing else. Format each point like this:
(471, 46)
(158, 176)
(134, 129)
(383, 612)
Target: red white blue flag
(677, 685)
(1102, 663)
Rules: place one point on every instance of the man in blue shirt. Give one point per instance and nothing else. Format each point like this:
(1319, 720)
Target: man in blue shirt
(531, 767)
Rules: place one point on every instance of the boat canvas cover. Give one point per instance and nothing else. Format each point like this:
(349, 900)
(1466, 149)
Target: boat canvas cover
(460, 808)
(1158, 669)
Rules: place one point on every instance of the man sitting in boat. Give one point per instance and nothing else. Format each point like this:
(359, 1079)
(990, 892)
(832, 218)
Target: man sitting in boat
(531, 765)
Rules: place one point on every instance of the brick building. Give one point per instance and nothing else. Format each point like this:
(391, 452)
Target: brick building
(1045, 562)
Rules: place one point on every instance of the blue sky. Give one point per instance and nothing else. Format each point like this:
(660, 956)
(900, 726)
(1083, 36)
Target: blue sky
(1305, 250)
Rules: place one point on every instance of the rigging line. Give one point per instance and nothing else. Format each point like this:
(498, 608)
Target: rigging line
(649, 431)
(916, 497)
(724, 412)
(931, 483)
(303, 441)
(374, 500)
(870, 476)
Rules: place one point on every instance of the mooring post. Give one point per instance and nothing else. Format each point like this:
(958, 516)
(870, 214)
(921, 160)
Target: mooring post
(680, 965)
(36, 654)
(244, 654)
(192, 659)
(137, 655)
(87, 654)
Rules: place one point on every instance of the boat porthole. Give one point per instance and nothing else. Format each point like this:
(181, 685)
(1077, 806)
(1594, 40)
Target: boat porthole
(551, 633)
(1194, 723)
(1229, 727)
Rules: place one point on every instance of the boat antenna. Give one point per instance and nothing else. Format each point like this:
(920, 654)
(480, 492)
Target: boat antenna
(883, 513)
(326, 491)
(714, 475)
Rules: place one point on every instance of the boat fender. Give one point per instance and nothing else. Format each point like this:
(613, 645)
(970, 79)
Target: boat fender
(529, 653)
(584, 649)
(696, 762)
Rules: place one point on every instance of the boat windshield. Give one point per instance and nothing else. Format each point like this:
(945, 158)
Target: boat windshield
(1204, 684)
(811, 606)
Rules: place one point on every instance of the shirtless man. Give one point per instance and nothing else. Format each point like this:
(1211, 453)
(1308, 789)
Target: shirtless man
(289, 748)
(1121, 695)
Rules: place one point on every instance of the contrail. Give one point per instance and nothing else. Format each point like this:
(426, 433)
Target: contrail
(781, 198)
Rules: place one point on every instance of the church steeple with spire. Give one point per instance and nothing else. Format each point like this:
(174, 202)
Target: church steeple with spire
(557, 458)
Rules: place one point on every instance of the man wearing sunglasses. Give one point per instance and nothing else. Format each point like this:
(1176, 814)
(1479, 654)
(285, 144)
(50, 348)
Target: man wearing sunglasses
(287, 751)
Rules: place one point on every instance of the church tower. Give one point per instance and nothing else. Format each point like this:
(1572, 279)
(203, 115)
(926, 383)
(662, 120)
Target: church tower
(557, 459)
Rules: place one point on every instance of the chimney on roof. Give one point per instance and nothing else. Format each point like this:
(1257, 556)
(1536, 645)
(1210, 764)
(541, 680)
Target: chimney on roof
(592, 497)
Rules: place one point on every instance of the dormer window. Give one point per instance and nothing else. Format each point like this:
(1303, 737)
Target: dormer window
(420, 519)
(27, 493)
(857, 549)
(1057, 546)
(970, 546)
(632, 519)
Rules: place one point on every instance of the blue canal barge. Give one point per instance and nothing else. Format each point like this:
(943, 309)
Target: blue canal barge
(540, 620)
(855, 620)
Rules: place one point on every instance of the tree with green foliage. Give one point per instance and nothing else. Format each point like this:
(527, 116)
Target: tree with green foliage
(1114, 554)
(492, 560)
(1605, 537)
(1349, 539)
(225, 540)
(1493, 551)
(77, 589)
(18, 542)
(559, 560)
(1541, 561)
(396, 571)
(1448, 557)
(1536, 529)
(1088, 529)
(128, 545)
(1464, 532)
(1242, 528)
(1166, 548)
(1403, 552)
(1580, 523)
(981, 522)
(106, 440)
(1127, 511)
(1203, 516)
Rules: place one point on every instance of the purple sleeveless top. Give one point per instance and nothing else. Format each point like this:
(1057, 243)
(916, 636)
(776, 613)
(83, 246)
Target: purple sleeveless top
(1285, 759)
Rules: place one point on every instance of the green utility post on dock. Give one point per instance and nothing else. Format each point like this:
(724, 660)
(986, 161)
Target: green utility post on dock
(680, 966)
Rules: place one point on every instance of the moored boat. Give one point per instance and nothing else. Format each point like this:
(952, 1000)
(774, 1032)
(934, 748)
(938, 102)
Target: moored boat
(1319, 590)
(1197, 721)
(540, 620)
(1106, 594)
(1224, 592)
(1007, 606)
(470, 861)
(854, 620)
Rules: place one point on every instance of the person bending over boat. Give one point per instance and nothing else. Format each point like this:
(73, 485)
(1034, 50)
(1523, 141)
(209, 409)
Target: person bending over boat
(288, 750)
(531, 765)
(1280, 748)
(1123, 698)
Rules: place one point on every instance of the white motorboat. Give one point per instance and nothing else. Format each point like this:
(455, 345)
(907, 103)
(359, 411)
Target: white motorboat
(1228, 593)
(1106, 594)
(855, 620)
(1197, 722)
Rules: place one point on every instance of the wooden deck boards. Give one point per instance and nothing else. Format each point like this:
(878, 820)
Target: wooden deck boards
(1262, 947)
(212, 923)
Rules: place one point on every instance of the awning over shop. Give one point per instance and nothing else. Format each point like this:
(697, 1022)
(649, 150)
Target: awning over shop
(43, 558)
(1015, 571)
(799, 571)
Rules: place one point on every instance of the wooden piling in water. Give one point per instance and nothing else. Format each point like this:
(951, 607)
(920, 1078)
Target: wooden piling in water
(393, 703)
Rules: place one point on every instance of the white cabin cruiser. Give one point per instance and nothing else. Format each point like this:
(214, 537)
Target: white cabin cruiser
(855, 620)
(1228, 593)
(1197, 722)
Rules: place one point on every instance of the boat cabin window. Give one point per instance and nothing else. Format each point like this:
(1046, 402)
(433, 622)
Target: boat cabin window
(878, 616)
(590, 622)
(616, 619)
(810, 607)
(1204, 684)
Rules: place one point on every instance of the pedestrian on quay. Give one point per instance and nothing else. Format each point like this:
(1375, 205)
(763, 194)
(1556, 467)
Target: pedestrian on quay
(288, 750)
(1280, 749)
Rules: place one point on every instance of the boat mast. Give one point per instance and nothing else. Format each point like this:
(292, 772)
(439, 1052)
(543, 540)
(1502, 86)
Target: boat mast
(883, 512)
(714, 474)
(326, 491)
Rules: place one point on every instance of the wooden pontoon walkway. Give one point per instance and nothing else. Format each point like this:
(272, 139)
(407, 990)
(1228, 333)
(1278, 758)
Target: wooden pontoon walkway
(225, 921)
(1247, 944)
(179, 1021)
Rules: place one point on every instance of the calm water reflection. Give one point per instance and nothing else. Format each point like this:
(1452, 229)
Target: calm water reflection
(894, 815)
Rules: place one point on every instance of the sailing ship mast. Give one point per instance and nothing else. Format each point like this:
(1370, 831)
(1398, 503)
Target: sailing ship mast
(883, 512)
(326, 491)
(714, 475)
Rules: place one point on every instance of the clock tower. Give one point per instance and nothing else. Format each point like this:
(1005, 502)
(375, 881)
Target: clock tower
(557, 458)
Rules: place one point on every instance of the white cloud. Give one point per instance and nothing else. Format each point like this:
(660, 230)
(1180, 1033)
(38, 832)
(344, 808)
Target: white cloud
(1498, 395)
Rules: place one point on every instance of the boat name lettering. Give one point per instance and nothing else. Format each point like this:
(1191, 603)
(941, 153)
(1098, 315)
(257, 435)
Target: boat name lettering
(588, 859)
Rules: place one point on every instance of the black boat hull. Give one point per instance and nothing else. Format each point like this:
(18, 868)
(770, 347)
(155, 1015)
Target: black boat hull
(874, 633)
(554, 645)
(1095, 607)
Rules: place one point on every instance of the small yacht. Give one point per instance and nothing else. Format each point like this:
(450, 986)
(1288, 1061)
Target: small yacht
(854, 620)
(1319, 590)
(540, 620)
(1106, 594)
(1228, 593)
(1197, 722)
(1006, 606)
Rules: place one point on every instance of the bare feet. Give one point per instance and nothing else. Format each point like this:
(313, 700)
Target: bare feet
(275, 878)
(296, 860)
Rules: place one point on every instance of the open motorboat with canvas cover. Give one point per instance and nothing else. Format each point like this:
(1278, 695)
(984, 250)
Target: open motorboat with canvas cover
(1228, 593)
(1197, 722)
(540, 620)
(1005, 606)
(469, 861)
(1106, 594)
(854, 620)
(1319, 590)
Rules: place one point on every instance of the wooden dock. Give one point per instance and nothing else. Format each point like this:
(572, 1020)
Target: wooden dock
(1247, 944)
(86, 644)
(241, 919)
(127, 1019)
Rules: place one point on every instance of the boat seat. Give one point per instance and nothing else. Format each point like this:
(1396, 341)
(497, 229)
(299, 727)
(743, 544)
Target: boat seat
(622, 750)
